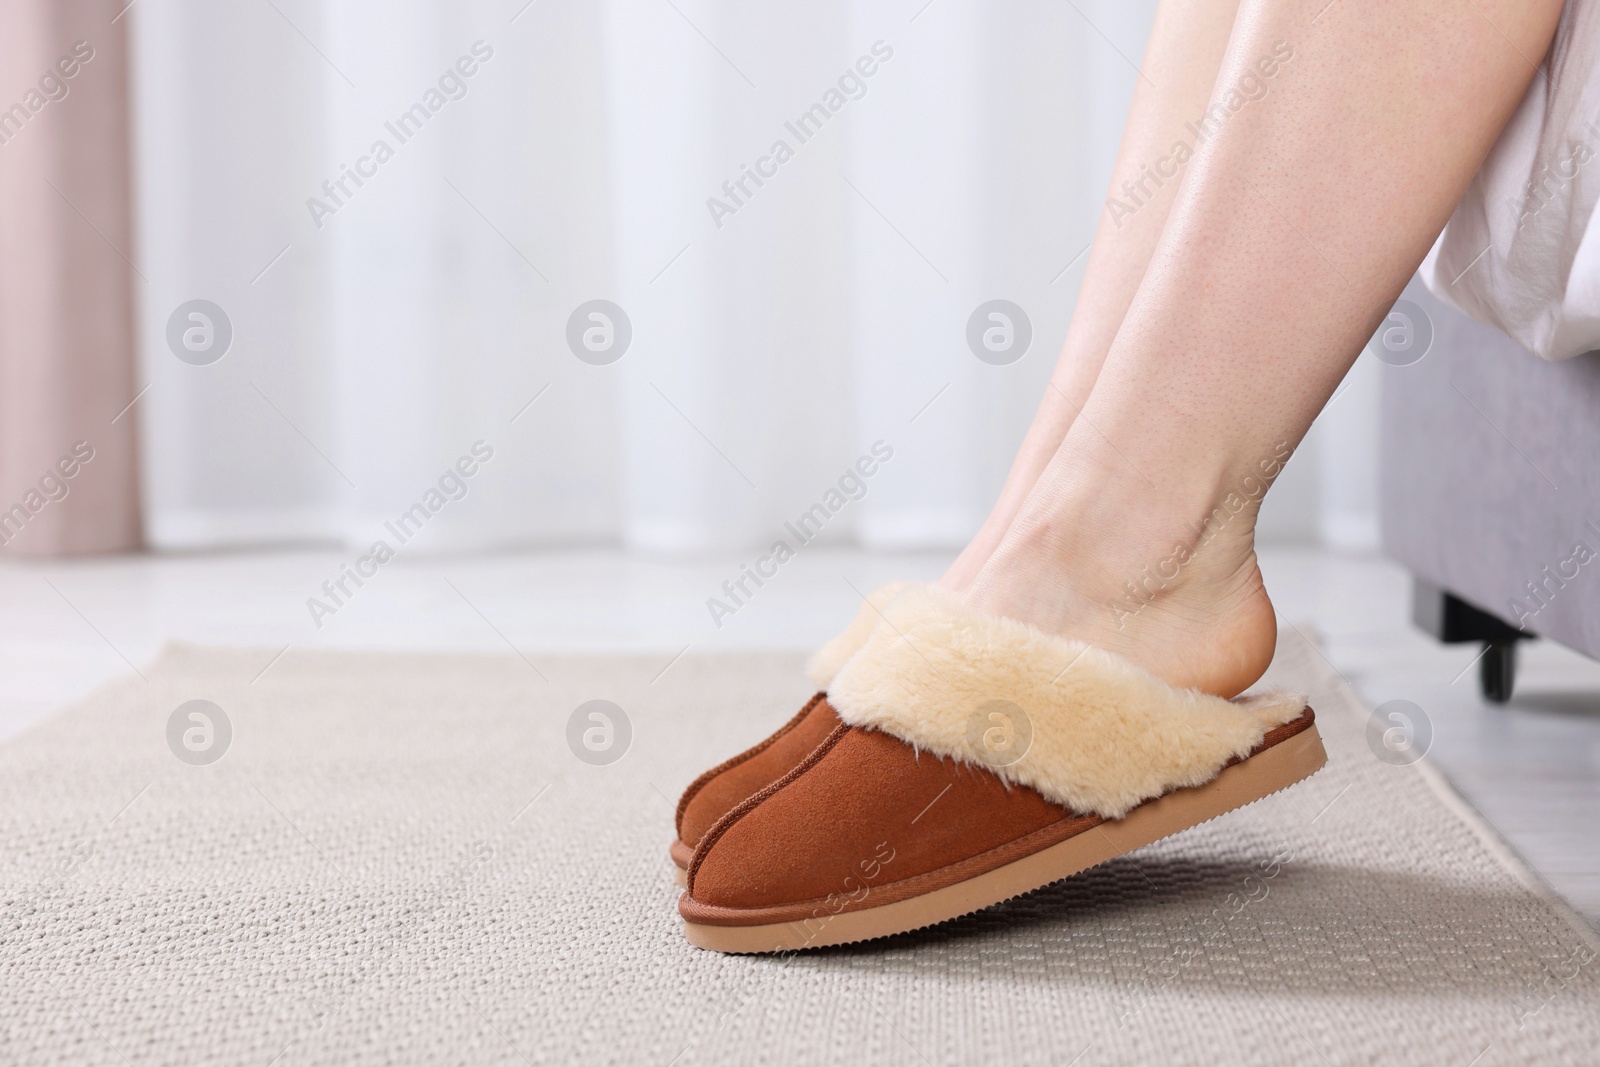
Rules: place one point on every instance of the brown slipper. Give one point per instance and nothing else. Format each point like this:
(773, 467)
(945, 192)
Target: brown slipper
(722, 788)
(938, 794)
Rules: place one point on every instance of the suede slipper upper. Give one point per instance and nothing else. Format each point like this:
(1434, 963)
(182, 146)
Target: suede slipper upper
(976, 758)
(719, 790)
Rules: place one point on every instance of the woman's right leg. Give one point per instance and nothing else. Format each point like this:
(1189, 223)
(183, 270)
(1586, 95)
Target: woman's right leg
(1303, 217)
(1179, 71)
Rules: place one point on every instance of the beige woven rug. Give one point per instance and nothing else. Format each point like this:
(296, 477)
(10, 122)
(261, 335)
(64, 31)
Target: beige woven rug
(400, 859)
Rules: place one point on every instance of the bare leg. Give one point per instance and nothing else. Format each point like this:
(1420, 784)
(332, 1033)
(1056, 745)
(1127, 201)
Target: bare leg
(1180, 67)
(1296, 228)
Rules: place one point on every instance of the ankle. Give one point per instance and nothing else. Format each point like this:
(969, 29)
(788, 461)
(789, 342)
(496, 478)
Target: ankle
(1150, 536)
(1165, 576)
(1085, 566)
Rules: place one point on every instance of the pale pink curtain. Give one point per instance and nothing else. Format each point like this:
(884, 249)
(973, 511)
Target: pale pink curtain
(68, 470)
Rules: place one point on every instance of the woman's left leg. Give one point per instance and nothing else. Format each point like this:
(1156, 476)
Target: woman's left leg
(1180, 67)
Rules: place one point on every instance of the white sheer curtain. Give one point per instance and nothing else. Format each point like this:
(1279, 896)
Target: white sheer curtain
(430, 306)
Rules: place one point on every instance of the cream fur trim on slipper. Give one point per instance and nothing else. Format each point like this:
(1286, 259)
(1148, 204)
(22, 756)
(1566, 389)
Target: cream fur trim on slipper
(827, 660)
(1096, 733)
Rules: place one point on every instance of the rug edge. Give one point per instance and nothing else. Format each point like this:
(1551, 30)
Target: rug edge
(1506, 854)
(1455, 803)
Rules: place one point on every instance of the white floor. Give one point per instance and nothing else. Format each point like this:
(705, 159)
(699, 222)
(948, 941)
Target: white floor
(1533, 767)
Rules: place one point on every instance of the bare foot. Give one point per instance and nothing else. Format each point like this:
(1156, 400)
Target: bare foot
(1174, 587)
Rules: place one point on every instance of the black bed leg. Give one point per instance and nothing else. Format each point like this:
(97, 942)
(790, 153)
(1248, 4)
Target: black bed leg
(1497, 671)
(1454, 621)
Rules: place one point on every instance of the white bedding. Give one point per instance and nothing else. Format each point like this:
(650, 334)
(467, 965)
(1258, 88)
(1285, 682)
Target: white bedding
(1519, 253)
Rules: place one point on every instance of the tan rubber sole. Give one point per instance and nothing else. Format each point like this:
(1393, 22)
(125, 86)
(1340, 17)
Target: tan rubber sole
(1263, 774)
(681, 856)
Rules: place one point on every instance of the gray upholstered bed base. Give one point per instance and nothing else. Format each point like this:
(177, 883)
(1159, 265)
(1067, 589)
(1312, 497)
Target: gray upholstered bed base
(1490, 476)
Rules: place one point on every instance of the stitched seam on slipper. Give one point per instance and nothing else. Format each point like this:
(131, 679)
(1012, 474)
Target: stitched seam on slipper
(722, 825)
(699, 783)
